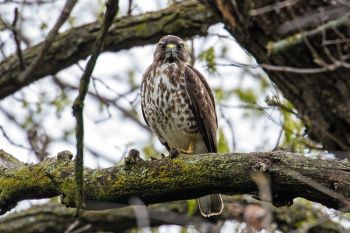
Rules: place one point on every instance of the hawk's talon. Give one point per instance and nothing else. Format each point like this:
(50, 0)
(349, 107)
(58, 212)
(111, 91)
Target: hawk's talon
(174, 152)
(133, 157)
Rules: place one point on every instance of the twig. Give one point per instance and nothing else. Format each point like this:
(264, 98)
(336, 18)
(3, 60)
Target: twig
(278, 46)
(130, 8)
(78, 105)
(18, 43)
(10, 140)
(329, 67)
(109, 101)
(274, 7)
(67, 9)
(39, 2)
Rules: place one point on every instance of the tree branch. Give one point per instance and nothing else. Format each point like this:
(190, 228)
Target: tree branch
(56, 218)
(185, 19)
(112, 7)
(184, 177)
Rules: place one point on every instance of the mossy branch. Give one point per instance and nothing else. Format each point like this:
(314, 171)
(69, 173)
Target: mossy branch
(185, 19)
(184, 177)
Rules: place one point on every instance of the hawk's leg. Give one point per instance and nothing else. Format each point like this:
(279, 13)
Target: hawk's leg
(174, 152)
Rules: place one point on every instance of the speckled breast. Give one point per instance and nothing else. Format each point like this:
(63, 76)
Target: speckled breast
(166, 105)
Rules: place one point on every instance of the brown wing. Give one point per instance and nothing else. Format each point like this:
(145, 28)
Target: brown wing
(203, 105)
(144, 89)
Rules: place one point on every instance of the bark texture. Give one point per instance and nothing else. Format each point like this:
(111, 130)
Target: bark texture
(305, 34)
(184, 177)
(185, 19)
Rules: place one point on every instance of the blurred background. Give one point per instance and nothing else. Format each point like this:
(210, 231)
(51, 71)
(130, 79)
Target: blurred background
(37, 122)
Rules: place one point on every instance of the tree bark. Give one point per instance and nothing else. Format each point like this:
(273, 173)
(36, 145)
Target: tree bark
(57, 218)
(297, 36)
(185, 19)
(184, 177)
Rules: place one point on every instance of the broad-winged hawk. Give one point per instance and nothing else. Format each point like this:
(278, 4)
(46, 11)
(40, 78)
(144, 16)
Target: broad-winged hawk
(178, 105)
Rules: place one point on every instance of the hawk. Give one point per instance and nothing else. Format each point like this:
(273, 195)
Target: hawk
(178, 105)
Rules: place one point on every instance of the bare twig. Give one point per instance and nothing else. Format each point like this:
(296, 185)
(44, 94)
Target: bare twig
(110, 101)
(278, 46)
(274, 7)
(68, 7)
(39, 2)
(130, 7)
(10, 140)
(330, 67)
(18, 43)
(78, 105)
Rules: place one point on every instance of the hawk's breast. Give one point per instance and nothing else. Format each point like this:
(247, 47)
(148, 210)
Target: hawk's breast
(166, 105)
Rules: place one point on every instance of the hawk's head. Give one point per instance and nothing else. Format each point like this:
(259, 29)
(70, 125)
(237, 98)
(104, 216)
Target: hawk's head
(171, 49)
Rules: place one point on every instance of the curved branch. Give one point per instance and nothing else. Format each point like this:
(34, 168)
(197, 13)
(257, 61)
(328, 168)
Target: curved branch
(186, 19)
(184, 177)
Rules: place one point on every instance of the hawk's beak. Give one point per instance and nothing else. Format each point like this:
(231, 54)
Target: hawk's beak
(170, 51)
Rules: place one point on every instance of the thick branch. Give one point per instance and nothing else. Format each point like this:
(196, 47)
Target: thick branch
(56, 218)
(184, 177)
(185, 19)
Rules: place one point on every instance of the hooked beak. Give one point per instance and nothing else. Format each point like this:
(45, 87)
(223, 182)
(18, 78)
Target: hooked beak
(170, 52)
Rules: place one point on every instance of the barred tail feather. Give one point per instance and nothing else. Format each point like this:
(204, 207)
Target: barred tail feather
(210, 205)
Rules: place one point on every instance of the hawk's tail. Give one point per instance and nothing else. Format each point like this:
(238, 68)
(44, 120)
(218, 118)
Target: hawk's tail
(210, 205)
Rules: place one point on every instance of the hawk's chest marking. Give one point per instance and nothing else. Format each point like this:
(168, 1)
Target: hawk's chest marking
(166, 104)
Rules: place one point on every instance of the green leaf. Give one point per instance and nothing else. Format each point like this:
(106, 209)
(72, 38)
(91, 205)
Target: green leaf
(222, 143)
(149, 151)
(246, 95)
(208, 56)
(219, 94)
(192, 207)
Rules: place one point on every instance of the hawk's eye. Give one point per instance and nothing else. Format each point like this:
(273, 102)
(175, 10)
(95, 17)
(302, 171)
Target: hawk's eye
(162, 46)
(180, 46)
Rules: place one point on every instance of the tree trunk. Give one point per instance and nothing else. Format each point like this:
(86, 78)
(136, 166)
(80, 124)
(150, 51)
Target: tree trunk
(303, 35)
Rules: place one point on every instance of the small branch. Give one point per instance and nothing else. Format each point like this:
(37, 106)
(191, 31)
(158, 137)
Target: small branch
(288, 69)
(78, 105)
(184, 177)
(290, 41)
(274, 7)
(18, 43)
(68, 7)
(110, 101)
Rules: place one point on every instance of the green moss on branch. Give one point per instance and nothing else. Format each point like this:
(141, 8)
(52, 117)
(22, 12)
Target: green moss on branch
(184, 177)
